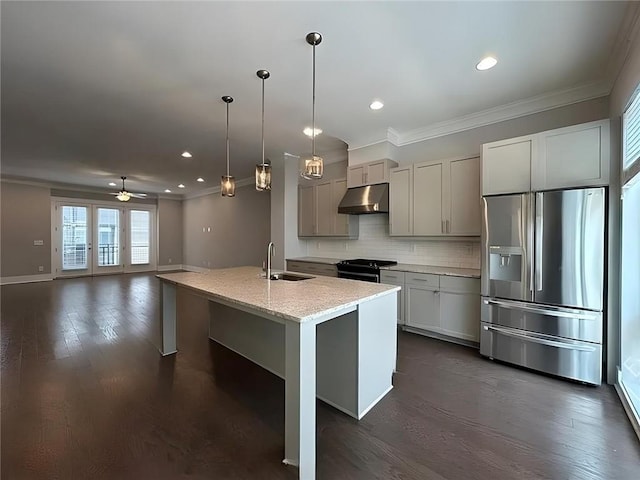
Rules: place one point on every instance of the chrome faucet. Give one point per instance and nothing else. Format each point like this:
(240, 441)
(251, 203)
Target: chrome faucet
(271, 250)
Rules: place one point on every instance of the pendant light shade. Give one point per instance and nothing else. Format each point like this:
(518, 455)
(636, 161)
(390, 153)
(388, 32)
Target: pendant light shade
(228, 182)
(263, 169)
(312, 167)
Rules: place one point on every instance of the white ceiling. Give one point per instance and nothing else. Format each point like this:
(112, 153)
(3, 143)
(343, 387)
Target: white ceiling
(95, 90)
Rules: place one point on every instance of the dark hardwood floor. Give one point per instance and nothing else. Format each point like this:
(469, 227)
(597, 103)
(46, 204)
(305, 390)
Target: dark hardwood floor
(86, 395)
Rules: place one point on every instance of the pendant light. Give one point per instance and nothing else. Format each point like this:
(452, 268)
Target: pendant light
(228, 183)
(312, 167)
(263, 170)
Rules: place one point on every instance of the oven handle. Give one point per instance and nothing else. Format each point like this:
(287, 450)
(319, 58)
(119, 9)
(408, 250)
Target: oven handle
(359, 275)
(539, 339)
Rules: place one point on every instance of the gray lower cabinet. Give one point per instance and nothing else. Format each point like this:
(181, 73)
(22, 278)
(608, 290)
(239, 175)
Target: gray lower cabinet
(393, 277)
(312, 268)
(443, 305)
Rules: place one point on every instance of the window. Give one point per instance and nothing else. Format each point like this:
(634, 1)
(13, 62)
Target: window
(631, 133)
(140, 237)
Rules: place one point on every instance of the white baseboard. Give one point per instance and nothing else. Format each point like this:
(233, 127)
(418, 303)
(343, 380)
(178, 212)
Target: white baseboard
(167, 268)
(634, 418)
(43, 277)
(193, 268)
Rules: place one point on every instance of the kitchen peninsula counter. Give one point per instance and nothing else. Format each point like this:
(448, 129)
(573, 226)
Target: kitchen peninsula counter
(330, 338)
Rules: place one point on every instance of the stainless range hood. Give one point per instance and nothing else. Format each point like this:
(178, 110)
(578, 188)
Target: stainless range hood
(365, 199)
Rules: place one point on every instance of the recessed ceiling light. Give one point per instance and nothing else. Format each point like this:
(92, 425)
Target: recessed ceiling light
(376, 105)
(200, 179)
(112, 184)
(166, 190)
(181, 186)
(307, 131)
(186, 154)
(486, 63)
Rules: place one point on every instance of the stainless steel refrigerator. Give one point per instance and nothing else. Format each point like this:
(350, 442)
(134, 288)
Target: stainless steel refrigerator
(543, 264)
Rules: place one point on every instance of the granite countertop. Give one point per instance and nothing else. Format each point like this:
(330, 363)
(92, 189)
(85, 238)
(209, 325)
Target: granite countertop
(327, 261)
(300, 301)
(453, 271)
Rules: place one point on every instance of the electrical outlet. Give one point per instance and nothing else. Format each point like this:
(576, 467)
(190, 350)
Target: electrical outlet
(169, 260)
(41, 268)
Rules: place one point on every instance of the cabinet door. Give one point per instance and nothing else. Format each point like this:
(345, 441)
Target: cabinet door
(355, 176)
(324, 209)
(576, 156)
(306, 211)
(395, 278)
(376, 172)
(464, 197)
(460, 307)
(423, 308)
(401, 201)
(427, 199)
(341, 221)
(506, 165)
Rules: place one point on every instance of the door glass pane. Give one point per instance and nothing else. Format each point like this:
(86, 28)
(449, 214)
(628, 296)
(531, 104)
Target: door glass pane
(108, 237)
(140, 237)
(74, 238)
(630, 301)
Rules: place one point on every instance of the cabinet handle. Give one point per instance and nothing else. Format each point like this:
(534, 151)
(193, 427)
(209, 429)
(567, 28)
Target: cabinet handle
(366, 175)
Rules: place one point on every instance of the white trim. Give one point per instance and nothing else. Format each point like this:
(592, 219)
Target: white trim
(44, 277)
(170, 267)
(214, 190)
(634, 417)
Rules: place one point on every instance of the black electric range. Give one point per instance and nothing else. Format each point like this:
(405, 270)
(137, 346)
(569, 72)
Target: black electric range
(363, 269)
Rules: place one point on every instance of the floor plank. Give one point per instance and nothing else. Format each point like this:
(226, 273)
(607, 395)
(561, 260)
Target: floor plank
(85, 394)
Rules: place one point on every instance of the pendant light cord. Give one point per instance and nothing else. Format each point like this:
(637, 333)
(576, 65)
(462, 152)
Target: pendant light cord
(227, 139)
(263, 121)
(313, 108)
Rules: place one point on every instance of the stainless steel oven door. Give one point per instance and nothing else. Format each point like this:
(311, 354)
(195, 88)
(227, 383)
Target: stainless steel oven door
(365, 277)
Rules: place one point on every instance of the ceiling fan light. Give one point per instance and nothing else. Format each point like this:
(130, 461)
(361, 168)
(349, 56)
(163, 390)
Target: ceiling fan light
(123, 196)
(228, 186)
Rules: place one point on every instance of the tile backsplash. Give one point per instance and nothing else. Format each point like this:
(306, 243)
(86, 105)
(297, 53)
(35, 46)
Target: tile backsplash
(374, 242)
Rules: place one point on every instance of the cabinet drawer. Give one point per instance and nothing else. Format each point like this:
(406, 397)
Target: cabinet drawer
(422, 280)
(312, 268)
(392, 277)
(459, 284)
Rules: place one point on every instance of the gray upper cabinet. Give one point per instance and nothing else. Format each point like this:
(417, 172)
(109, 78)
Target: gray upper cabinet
(575, 156)
(438, 198)
(401, 201)
(369, 173)
(318, 211)
(427, 199)
(506, 165)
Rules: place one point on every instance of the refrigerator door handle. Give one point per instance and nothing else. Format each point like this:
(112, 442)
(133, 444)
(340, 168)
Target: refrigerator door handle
(537, 338)
(539, 235)
(526, 225)
(551, 311)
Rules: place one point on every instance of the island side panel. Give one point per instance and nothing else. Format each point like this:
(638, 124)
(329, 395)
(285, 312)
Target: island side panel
(300, 398)
(256, 338)
(337, 368)
(377, 350)
(168, 319)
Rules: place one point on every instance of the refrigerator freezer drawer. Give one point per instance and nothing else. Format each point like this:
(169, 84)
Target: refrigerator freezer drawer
(557, 356)
(570, 323)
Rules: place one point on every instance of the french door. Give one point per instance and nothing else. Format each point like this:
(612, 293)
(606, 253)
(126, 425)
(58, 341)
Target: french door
(94, 239)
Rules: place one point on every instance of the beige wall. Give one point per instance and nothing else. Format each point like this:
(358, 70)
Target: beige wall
(25, 213)
(170, 226)
(236, 230)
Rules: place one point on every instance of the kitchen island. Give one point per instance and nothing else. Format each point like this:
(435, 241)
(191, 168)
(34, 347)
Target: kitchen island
(327, 337)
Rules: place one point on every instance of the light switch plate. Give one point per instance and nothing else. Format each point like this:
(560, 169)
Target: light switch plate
(38, 243)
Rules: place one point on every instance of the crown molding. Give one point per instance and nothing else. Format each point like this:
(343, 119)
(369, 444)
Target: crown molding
(509, 111)
(627, 33)
(214, 190)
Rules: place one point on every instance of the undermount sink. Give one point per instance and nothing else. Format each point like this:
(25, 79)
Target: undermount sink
(292, 277)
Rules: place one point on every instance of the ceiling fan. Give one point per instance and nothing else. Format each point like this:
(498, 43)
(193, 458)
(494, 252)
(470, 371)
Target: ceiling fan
(124, 195)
